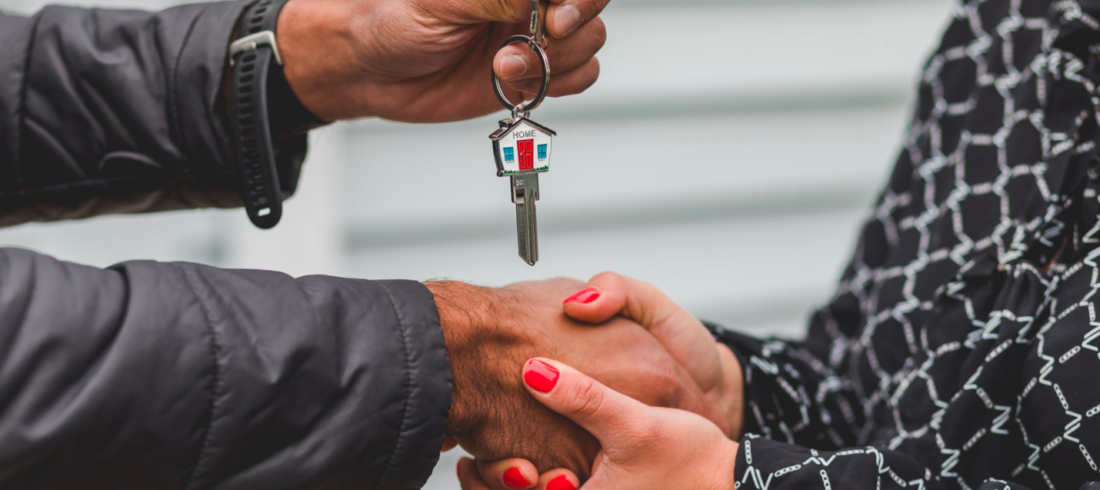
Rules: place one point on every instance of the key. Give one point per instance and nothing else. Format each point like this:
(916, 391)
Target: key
(522, 148)
(525, 191)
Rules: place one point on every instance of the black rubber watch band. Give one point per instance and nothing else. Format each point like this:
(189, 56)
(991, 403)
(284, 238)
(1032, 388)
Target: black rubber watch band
(251, 57)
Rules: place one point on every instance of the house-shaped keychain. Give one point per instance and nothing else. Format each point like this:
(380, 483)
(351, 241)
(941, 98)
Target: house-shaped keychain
(522, 146)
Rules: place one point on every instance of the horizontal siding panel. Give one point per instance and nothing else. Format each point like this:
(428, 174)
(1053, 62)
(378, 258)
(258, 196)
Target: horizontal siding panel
(723, 270)
(437, 176)
(739, 47)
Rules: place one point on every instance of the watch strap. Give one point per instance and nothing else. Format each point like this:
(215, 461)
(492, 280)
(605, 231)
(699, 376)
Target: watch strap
(251, 57)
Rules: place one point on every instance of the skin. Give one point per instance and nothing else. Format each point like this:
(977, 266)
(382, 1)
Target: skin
(712, 366)
(642, 447)
(429, 60)
(490, 333)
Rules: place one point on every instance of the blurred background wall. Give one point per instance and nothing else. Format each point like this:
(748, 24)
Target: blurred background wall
(727, 155)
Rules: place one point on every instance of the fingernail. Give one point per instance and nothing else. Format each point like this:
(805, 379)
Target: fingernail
(458, 469)
(541, 376)
(567, 19)
(514, 478)
(560, 483)
(512, 66)
(584, 296)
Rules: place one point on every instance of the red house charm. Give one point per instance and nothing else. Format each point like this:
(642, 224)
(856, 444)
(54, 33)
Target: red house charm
(522, 146)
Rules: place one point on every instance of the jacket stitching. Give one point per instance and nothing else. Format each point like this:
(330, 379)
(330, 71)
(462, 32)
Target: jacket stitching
(173, 84)
(21, 109)
(408, 389)
(215, 388)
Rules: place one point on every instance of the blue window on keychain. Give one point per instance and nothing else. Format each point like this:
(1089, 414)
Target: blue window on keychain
(509, 154)
(542, 152)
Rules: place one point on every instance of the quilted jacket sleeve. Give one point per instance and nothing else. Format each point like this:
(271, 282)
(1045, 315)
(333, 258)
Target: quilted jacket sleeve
(180, 376)
(110, 111)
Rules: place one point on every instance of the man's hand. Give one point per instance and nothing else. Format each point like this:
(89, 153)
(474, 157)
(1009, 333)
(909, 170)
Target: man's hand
(429, 60)
(490, 334)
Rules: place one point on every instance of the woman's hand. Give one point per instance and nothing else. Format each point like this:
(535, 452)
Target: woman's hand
(643, 447)
(429, 60)
(712, 365)
(490, 333)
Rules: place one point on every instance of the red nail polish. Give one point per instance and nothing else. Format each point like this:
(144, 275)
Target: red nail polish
(584, 296)
(514, 478)
(541, 376)
(560, 483)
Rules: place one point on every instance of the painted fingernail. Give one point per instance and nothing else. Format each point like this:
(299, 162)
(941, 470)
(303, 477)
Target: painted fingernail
(541, 376)
(567, 18)
(512, 66)
(560, 483)
(514, 478)
(584, 296)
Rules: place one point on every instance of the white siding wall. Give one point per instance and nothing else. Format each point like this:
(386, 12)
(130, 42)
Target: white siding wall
(758, 133)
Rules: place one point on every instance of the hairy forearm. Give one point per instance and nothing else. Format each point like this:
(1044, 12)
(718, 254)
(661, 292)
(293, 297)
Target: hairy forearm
(468, 316)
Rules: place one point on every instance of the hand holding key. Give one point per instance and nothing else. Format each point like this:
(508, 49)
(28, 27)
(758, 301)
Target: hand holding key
(429, 60)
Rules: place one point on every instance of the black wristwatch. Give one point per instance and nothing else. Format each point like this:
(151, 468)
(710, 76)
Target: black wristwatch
(262, 107)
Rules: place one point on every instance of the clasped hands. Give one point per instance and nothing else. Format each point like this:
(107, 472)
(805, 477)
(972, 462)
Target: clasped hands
(617, 385)
(606, 357)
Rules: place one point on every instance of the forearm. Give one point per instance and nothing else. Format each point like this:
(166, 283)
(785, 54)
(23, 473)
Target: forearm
(151, 375)
(108, 111)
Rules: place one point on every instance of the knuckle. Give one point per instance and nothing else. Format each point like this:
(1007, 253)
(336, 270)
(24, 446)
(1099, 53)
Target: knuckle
(670, 390)
(593, 74)
(599, 32)
(506, 9)
(587, 399)
(648, 429)
(607, 278)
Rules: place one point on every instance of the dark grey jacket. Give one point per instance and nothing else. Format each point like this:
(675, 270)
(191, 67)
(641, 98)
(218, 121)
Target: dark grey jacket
(179, 376)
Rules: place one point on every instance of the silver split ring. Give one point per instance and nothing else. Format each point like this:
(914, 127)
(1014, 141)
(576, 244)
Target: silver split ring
(518, 109)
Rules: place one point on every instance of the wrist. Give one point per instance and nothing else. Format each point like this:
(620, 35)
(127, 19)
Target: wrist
(733, 390)
(464, 316)
(727, 473)
(319, 57)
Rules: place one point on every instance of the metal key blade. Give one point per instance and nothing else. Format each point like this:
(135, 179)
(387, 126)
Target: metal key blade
(525, 192)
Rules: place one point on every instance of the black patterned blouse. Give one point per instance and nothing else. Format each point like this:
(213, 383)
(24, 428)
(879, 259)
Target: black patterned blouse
(962, 346)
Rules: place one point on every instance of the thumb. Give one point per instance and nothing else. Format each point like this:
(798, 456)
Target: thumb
(607, 414)
(683, 336)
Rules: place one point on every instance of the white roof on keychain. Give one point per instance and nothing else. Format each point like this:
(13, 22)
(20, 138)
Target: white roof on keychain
(522, 146)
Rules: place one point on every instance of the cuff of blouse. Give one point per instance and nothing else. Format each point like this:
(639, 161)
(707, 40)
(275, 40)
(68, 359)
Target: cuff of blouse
(748, 424)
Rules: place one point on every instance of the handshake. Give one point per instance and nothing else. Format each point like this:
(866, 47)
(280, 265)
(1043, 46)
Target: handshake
(617, 385)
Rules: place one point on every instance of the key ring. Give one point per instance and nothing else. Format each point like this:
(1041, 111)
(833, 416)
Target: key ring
(522, 109)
